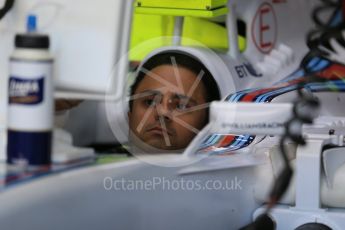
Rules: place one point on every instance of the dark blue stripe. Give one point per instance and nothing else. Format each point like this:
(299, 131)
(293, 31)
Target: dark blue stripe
(32, 147)
(338, 18)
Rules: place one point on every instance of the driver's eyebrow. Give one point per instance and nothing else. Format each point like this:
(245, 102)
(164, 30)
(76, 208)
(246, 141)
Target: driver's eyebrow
(184, 97)
(146, 93)
(150, 92)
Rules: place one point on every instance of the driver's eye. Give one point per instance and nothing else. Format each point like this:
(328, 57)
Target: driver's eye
(151, 101)
(183, 105)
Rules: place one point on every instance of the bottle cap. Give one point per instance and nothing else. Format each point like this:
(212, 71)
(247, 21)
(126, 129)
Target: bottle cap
(31, 23)
(34, 41)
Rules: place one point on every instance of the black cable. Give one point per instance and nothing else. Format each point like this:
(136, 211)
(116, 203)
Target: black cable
(6, 8)
(325, 31)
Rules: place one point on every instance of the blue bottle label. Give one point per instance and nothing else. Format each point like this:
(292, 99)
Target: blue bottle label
(29, 148)
(25, 91)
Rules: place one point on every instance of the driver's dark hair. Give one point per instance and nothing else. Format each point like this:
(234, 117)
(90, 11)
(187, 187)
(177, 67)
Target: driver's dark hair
(183, 60)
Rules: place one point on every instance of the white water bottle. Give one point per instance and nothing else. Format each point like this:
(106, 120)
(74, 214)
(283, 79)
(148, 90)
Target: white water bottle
(30, 101)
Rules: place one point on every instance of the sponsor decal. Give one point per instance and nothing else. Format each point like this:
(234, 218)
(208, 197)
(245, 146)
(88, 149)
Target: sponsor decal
(25, 91)
(265, 28)
(261, 125)
(245, 70)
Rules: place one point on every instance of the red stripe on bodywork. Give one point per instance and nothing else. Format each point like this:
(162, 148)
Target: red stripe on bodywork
(334, 72)
(226, 140)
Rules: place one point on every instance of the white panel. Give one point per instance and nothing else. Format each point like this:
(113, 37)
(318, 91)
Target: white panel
(87, 39)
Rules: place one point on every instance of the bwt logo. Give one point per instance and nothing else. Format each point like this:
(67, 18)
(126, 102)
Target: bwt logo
(245, 70)
(23, 91)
